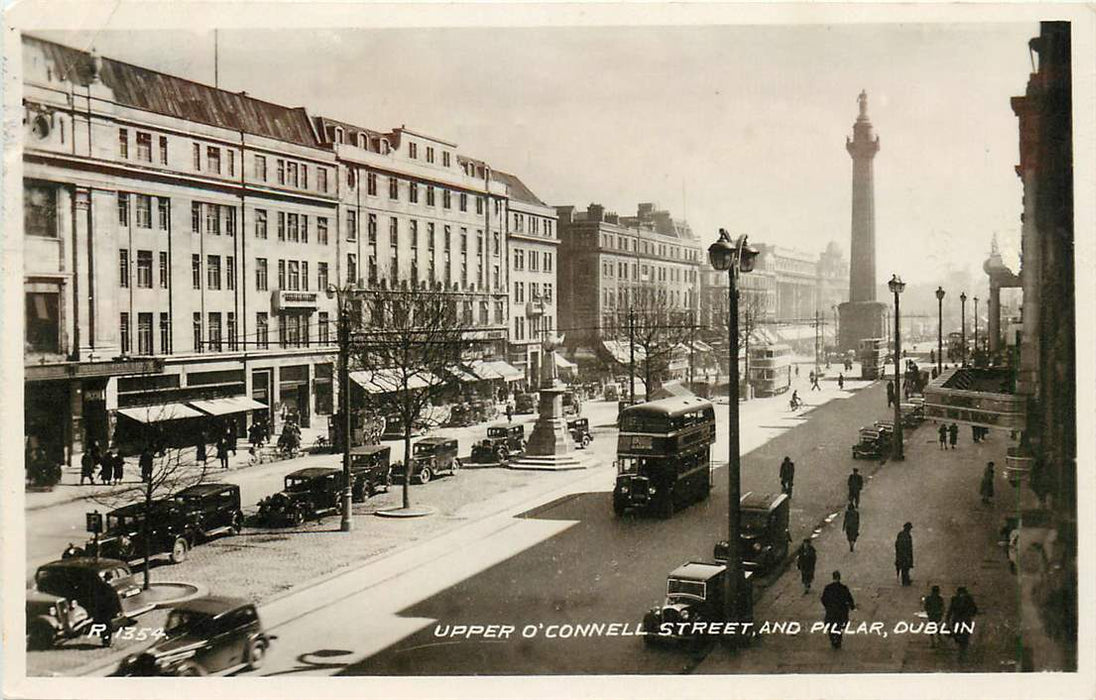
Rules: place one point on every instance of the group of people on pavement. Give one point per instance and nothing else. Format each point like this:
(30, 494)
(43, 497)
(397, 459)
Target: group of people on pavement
(948, 433)
(110, 464)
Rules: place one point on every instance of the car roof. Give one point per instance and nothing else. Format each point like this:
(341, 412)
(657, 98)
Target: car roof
(203, 489)
(369, 449)
(698, 570)
(139, 507)
(762, 501)
(505, 426)
(212, 605)
(435, 441)
(313, 472)
(89, 563)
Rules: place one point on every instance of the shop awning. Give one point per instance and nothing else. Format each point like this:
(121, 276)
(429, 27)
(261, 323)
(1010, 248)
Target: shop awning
(227, 405)
(497, 369)
(158, 414)
(563, 363)
(621, 351)
(387, 381)
(461, 374)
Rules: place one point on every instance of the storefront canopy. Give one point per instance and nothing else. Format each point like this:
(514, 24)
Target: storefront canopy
(497, 369)
(563, 363)
(225, 406)
(461, 374)
(621, 351)
(387, 381)
(160, 413)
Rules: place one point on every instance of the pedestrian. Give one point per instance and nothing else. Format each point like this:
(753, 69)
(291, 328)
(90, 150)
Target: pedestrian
(200, 449)
(934, 609)
(787, 475)
(837, 600)
(943, 431)
(119, 467)
(856, 484)
(960, 618)
(96, 453)
(222, 453)
(986, 489)
(903, 553)
(953, 434)
(890, 393)
(145, 463)
(106, 468)
(797, 371)
(805, 560)
(230, 437)
(841, 381)
(253, 436)
(851, 525)
(814, 382)
(509, 412)
(87, 468)
(796, 402)
(932, 357)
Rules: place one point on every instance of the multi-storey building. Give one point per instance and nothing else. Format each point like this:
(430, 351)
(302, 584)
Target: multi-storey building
(608, 266)
(533, 263)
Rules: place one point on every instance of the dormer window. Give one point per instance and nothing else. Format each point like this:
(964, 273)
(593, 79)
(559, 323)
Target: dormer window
(445, 158)
(363, 142)
(413, 150)
(339, 135)
(384, 146)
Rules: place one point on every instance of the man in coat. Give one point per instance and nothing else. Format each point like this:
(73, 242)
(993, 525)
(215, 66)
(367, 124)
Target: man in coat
(145, 463)
(837, 600)
(851, 525)
(903, 553)
(953, 434)
(805, 559)
(961, 612)
(856, 485)
(87, 468)
(890, 393)
(787, 475)
(986, 489)
(934, 609)
(943, 431)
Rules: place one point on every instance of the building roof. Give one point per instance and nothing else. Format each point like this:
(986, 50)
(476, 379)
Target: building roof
(152, 91)
(518, 189)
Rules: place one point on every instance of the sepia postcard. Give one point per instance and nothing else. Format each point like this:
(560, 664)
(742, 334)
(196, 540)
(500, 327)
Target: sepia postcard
(548, 350)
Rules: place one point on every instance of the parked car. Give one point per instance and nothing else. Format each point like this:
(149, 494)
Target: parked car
(309, 493)
(764, 535)
(572, 404)
(580, 431)
(874, 441)
(208, 636)
(429, 457)
(369, 466)
(612, 392)
(503, 442)
(216, 505)
(525, 403)
(103, 588)
(52, 619)
(695, 594)
(912, 412)
(173, 530)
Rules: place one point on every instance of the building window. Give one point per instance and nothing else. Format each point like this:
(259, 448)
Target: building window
(371, 184)
(479, 205)
(304, 176)
(371, 261)
(144, 211)
(393, 232)
(231, 330)
(144, 334)
(483, 318)
(144, 269)
(293, 233)
(195, 217)
(281, 274)
(464, 201)
(304, 228)
(43, 326)
(261, 281)
(321, 230)
(197, 331)
(164, 271)
(163, 150)
(413, 192)
(414, 234)
(281, 226)
(429, 195)
(39, 210)
(371, 227)
(260, 223)
(321, 276)
(325, 331)
(164, 208)
(393, 188)
(262, 330)
(123, 332)
(548, 262)
(196, 270)
(215, 331)
(321, 179)
(533, 261)
(123, 143)
(446, 199)
(281, 171)
(394, 270)
(304, 275)
(123, 209)
(351, 268)
(260, 168)
(144, 147)
(498, 313)
(496, 243)
(292, 170)
(351, 225)
(213, 272)
(213, 219)
(197, 151)
(123, 268)
(230, 221)
(429, 154)
(445, 158)
(230, 272)
(165, 334)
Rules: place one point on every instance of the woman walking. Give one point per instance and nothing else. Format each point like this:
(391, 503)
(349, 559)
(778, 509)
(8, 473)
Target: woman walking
(986, 488)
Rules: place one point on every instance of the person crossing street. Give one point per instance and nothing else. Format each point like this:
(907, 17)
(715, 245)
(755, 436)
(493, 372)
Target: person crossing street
(787, 475)
(805, 560)
(856, 485)
(851, 525)
(838, 602)
(903, 553)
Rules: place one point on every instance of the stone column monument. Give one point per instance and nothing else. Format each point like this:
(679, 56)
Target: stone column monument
(862, 315)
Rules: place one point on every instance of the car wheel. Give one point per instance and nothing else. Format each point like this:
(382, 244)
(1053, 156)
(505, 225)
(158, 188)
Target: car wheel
(297, 516)
(190, 669)
(425, 475)
(40, 635)
(237, 523)
(456, 464)
(179, 550)
(585, 441)
(256, 654)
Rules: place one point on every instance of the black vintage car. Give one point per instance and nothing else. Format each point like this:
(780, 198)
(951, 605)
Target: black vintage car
(764, 536)
(309, 493)
(429, 457)
(216, 506)
(525, 403)
(503, 442)
(103, 588)
(173, 530)
(207, 636)
(369, 466)
(694, 601)
(52, 619)
(874, 442)
(580, 431)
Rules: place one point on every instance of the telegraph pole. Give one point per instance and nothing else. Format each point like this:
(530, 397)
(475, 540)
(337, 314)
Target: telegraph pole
(632, 354)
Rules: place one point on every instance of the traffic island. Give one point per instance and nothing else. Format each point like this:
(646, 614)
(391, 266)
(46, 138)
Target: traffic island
(165, 593)
(412, 512)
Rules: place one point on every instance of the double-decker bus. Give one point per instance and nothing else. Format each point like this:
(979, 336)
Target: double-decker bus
(770, 369)
(873, 356)
(664, 455)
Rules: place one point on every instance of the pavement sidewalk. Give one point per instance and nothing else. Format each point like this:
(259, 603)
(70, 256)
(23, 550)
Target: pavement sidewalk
(955, 544)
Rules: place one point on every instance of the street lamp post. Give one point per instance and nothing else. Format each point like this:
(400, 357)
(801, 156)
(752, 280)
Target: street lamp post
(963, 328)
(733, 257)
(940, 330)
(975, 358)
(897, 285)
(346, 524)
(836, 340)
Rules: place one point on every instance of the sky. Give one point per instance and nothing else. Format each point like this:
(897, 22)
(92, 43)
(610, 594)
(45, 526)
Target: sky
(741, 127)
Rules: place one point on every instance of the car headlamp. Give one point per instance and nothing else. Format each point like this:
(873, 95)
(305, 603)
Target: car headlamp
(685, 614)
(651, 490)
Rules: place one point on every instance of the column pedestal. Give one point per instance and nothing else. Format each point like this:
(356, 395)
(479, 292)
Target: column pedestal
(860, 320)
(550, 446)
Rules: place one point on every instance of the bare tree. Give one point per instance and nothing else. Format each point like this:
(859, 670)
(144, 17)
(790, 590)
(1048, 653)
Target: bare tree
(405, 343)
(657, 327)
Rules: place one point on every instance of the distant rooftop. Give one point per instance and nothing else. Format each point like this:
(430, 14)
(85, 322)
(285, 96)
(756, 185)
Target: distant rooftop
(518, 189)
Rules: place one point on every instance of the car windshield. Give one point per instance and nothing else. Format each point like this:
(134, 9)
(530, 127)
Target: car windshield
(114, 574)
(754, 519)
(122, 522)
(677, 586)
(496, 432)
(426, 449)
(180, 621)
(297, 484)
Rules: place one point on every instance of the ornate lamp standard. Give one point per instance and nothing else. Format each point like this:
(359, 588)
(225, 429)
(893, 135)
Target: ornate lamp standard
(733, 257)
(346, 524)
(940, 330)
(963, 329)
(896, 286)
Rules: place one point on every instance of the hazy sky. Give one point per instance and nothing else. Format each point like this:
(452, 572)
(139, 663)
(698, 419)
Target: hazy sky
(740, 127)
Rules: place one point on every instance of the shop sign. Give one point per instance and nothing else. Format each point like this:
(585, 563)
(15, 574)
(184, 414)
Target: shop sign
(295, 300)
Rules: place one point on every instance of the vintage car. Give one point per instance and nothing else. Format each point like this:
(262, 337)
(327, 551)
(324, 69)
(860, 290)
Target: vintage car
(369, 466)
(694, 600)
(874, 441)
(52, 619)
(503, 442)
(103, 588)
(429, 457)
(525, 403)
(207, 636)
(216, 505)
(572, 404)
(611, 392)
(173, 530)
(764, 535)
(913, 412)
(309, 493)
(580, 431)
